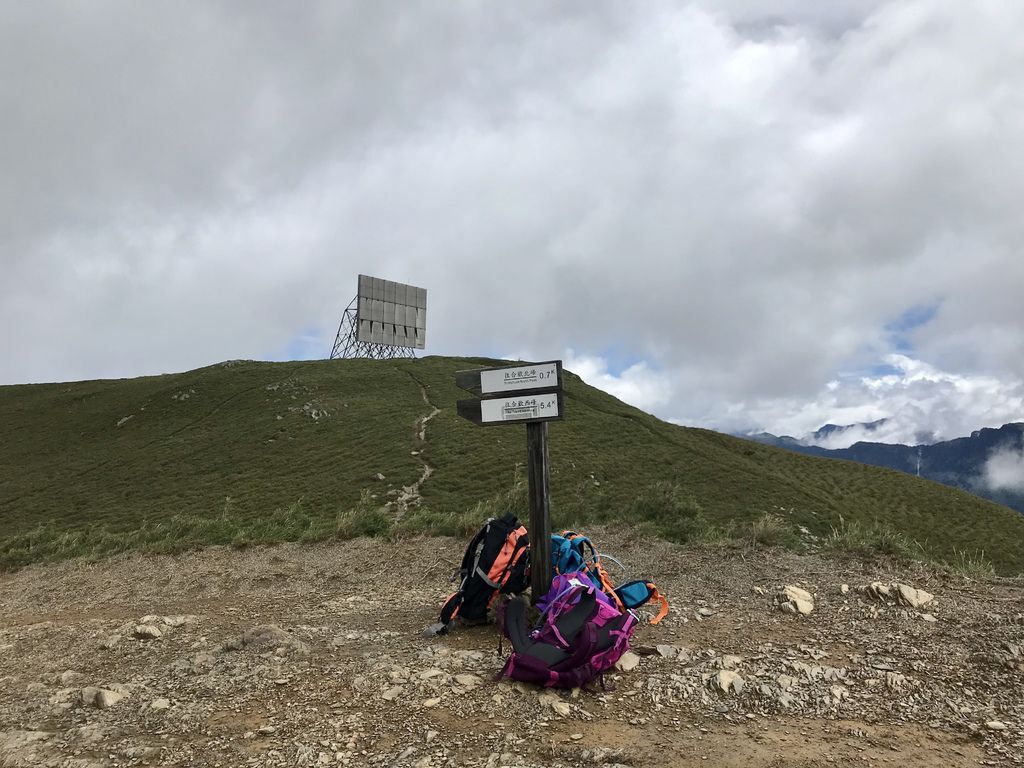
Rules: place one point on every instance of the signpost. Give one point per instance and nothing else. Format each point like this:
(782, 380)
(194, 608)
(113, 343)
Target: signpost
(532, 394)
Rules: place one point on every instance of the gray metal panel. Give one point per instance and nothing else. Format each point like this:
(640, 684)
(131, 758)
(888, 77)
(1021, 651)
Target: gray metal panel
(365, 286)
(421, 318)
(424, 297)
(364, 331)
(377, 333)
(401, 291)
(400, 336)
(389, 291)
(363, 310)
(421, 338)
(410, 317)
(399, 314)
(389, 333)
(378, 289)
(416, 299)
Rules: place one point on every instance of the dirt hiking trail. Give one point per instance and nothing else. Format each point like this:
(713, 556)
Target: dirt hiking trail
(312, 655)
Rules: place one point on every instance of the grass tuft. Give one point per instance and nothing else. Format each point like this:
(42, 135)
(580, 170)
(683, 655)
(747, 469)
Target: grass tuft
(366, 518)
(871, 540)
(974, 565)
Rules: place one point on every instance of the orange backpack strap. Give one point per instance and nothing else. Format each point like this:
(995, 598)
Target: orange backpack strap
(656, 595)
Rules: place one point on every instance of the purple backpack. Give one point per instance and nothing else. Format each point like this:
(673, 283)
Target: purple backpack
(580, 635)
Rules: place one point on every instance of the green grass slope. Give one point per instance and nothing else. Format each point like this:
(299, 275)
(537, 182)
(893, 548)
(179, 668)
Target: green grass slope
(258, 451)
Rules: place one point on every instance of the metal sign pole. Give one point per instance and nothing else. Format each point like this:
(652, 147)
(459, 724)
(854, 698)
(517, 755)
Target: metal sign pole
(540, 509)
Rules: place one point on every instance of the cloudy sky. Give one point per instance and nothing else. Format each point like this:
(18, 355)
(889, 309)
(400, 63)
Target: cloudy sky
(737, 215)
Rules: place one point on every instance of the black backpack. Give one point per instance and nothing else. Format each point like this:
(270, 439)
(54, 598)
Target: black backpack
(497, 561)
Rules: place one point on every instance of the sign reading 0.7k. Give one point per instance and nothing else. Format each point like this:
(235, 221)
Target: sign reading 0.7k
(520, 393)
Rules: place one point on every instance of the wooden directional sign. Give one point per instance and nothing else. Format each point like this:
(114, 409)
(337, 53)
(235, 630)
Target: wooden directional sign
(529, 393)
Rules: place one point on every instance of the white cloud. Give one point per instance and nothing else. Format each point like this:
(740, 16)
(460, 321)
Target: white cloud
(920, 403)
(742, 199)
(1004, 470)
(637, 385)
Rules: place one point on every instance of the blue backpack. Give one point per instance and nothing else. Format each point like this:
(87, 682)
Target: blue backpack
(573, 552)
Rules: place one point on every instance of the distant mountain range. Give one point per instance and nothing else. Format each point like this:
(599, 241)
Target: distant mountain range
(989, 463)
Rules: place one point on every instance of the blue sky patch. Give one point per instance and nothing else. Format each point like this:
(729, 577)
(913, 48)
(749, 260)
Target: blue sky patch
(901, 329)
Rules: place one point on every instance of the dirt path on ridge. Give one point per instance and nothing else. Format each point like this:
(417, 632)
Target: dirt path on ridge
(410, 494)
(304, 656)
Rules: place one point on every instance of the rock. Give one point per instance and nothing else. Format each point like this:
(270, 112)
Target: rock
(379, 476)
(929, 618)
(266, 637)
(706, 613)
(179, 620)
(70, 677)
(160, 704)
(561, 708)
(101, 698)
(785, 682)
(730, 662)
(147, 632)
(844, 589)
(727, 681)
(627, 662)
(839, 692)
(908, 595)
(877, 590)
(431, 703)
(996, 725)
(468, 681)
(795, 600)
(392, 693)
(666, 651)
(111, 641)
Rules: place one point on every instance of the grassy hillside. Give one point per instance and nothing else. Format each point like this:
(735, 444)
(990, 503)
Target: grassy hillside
(247, 451)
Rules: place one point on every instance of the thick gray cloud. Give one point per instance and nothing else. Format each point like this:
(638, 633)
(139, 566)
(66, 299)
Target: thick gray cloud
(715, 208)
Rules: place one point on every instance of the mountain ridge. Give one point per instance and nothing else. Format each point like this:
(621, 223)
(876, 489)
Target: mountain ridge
(959, 463)
(250, 451)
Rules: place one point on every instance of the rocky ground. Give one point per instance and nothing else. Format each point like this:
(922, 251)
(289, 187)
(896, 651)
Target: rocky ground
(314, 656)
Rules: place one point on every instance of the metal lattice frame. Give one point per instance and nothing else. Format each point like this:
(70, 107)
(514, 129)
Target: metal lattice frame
(347, 344)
